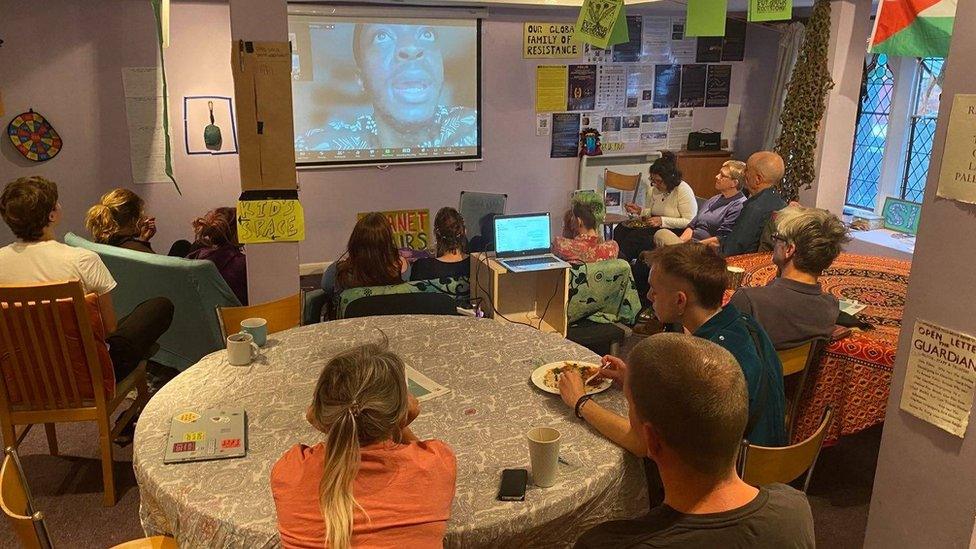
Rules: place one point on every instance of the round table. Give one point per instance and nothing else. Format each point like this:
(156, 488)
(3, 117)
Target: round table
(854, 374)
(491, 404)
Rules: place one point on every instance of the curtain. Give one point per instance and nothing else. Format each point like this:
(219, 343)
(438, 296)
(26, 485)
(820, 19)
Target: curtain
(789, 49)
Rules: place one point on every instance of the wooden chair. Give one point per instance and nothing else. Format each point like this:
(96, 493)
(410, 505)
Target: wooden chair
(281, 314)
(760, 465)
(798, 361)
(41, 327)
(620, 182)
(28, 523)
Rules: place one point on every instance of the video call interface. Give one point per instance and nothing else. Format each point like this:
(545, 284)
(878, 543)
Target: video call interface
(520, 234)
(378, 90)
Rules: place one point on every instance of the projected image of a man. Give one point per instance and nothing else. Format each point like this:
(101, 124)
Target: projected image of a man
(401, 69)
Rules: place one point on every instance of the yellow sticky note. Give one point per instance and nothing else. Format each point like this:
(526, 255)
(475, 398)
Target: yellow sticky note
(195, 436)
(188, 417)
(551, 85)
(270, 221)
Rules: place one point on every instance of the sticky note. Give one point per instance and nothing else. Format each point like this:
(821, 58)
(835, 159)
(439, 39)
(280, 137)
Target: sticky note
(706, 18)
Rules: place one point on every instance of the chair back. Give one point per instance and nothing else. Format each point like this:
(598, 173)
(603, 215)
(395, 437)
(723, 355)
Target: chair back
(621, 181)
(602, 291)
(194, 286)
(799, 361)
(50, 356)
(760, 465)
(18, 505)
(281, 314)
(402, 304)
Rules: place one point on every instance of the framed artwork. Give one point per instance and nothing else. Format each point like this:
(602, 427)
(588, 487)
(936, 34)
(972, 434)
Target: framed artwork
(209, 126)
(901, 215)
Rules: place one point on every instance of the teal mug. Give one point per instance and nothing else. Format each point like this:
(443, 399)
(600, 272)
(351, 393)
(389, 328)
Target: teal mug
(258, 328)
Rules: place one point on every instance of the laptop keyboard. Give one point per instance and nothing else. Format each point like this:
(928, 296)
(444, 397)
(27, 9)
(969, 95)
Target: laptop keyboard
(530, 261)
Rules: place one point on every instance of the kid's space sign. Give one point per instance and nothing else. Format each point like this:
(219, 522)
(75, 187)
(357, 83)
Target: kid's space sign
(270, 221)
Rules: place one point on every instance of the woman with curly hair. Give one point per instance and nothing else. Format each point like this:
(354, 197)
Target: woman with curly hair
(216, 241)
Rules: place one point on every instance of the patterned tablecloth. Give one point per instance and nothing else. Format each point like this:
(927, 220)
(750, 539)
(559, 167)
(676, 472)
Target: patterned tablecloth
(854, 375)
(492, 403)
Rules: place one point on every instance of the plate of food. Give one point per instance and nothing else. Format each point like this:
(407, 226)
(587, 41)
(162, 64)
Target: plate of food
(636, 223)
(546, 377)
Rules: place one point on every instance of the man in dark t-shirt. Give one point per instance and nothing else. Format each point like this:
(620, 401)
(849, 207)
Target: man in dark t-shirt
(793, 307)
(670, 382)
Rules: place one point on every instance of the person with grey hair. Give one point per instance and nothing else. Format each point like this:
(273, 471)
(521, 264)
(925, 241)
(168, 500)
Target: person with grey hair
(793, 307)
(689, 405)
(763, 174)
(717, 215)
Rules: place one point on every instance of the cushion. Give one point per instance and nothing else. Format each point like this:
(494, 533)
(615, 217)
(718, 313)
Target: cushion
(76, 354)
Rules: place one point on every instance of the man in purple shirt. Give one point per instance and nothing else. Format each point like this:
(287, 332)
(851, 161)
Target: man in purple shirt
(717, 216)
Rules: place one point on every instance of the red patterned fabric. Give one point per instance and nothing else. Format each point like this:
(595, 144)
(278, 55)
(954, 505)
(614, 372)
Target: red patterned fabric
(854, 375)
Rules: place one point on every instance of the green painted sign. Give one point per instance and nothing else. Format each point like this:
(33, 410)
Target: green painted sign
(901, 215)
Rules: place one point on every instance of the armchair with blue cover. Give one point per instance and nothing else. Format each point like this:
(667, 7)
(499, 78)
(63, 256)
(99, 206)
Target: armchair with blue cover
(458, 288)
(194, 286)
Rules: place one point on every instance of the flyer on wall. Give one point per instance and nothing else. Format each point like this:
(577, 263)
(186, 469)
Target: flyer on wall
(693, 85)
(582, 88)
(565, 135)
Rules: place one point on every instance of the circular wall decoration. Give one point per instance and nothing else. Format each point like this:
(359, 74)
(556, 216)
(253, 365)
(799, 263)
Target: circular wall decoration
(34, 136)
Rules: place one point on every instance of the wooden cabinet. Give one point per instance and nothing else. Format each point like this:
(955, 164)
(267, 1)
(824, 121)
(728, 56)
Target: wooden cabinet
(698, 169)
(537, 298)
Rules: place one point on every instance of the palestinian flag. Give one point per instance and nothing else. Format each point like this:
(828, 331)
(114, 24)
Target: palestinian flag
(913, 28)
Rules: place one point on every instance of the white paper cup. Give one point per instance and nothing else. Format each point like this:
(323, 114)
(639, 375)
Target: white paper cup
(544, 455)
(735, 276)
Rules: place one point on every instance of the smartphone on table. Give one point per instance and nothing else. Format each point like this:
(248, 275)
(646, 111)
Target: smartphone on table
(512, 487)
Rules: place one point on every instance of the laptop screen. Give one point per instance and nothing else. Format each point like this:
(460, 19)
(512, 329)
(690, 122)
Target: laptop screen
(523, 234)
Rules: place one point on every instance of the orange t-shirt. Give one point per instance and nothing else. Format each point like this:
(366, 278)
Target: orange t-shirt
(406, 489)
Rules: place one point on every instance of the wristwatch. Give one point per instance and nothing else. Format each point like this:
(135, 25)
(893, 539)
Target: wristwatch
(579, 405)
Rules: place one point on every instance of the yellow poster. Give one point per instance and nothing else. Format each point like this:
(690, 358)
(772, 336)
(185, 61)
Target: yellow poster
(551, 83)
(550, 40)
(411, 228)
(270, 221)
(957, 179)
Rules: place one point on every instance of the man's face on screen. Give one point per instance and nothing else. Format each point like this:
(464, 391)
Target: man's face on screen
(403, 71)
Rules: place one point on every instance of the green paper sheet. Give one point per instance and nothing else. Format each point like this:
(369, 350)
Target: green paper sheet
(600, 21)
(162, 69)
(770, 10)
(706, 18)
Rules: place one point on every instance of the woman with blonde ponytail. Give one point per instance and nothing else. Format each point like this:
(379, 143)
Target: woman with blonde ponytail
(119, 220)
(371, 483)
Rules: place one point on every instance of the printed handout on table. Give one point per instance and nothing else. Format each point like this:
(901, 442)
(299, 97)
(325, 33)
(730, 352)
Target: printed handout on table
(551, 82)
(718, 85)
(422, 387)
(667, 86)
(582, 88)
(693, 85)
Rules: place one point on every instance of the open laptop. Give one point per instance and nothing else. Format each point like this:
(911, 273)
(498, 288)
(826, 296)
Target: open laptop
(523, 243)
(196, 435)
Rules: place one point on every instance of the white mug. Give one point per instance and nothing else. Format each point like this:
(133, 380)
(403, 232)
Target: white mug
(241, 349)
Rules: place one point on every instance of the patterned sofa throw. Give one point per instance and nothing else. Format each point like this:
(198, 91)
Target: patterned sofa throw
(603, 292)
(458, 288)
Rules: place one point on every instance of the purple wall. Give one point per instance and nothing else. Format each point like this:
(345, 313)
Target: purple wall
(925, 486)
(79, 89)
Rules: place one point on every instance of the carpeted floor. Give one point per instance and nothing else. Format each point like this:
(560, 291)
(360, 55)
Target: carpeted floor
(68, 489)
